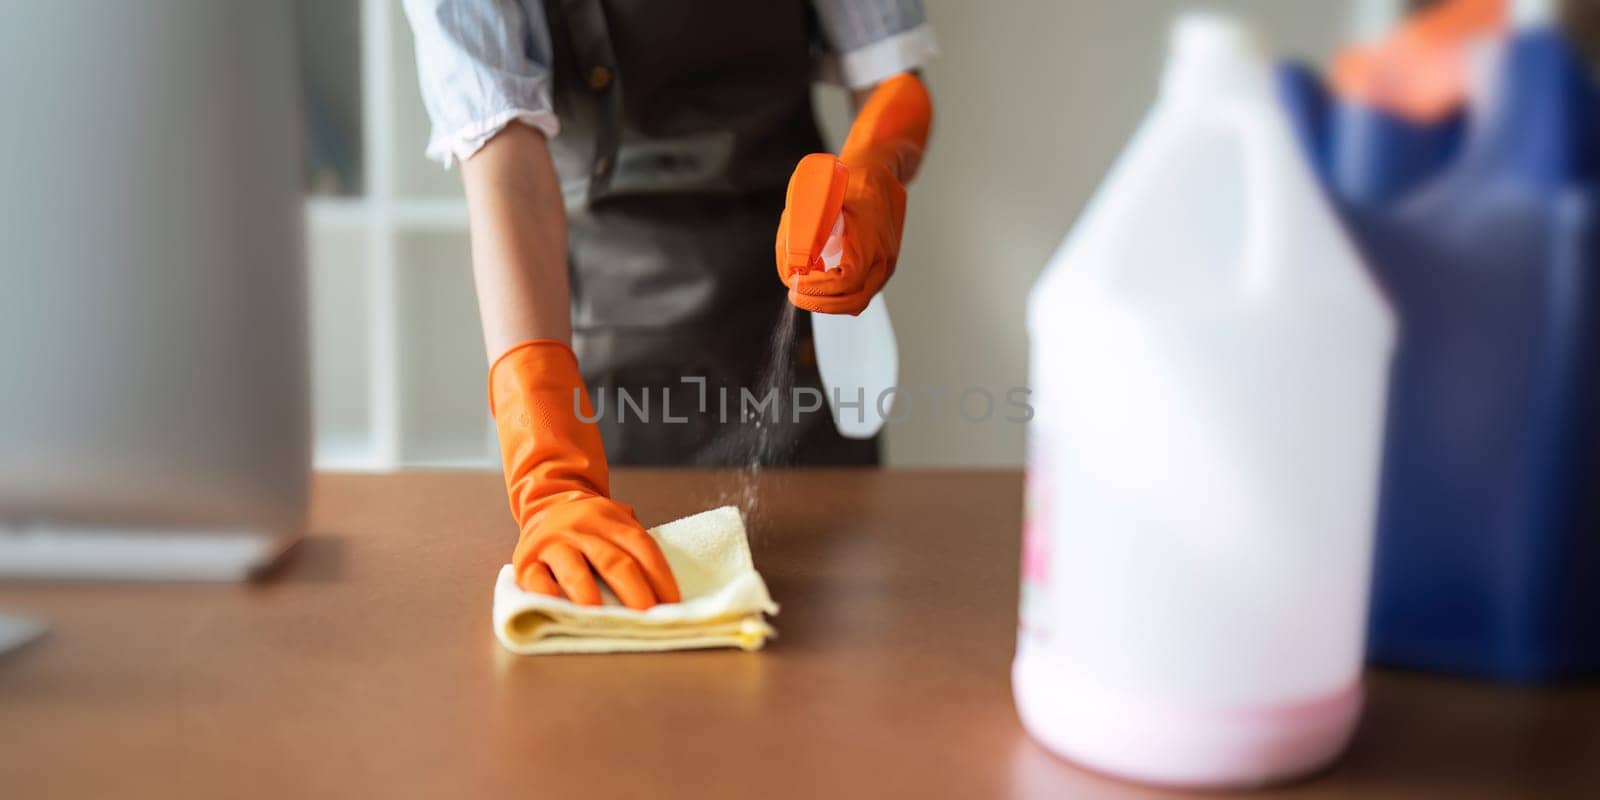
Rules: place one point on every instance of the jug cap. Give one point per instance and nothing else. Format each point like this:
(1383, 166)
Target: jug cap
(1211, 53)
(1205, 32)
(1534, 13)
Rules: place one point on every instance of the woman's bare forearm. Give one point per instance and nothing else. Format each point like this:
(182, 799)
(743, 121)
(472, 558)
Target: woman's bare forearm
(519, 240)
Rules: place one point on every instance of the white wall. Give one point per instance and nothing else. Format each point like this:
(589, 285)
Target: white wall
(1033, 99)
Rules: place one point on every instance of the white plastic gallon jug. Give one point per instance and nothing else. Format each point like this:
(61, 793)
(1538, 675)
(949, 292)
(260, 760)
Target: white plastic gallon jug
(857, 357)
(1209, 363)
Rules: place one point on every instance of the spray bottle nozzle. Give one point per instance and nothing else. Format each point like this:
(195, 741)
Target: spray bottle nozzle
(815, 197)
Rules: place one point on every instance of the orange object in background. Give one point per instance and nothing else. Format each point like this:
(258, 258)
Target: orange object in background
(1419, 72)
(559, 486)
(867, 183)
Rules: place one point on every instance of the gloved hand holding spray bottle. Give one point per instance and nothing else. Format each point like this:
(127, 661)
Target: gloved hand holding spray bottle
(839, 239)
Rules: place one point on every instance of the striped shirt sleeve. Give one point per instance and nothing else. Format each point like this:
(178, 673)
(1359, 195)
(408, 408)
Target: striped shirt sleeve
(869, 40)
(482, 64)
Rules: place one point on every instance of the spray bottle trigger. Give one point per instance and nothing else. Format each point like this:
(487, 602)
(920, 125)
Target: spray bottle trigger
(815, 199)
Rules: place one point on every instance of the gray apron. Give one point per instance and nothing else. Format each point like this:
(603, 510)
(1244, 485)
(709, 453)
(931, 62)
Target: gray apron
(681, 123)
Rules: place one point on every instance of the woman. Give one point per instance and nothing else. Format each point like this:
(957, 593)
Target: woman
(633, 241)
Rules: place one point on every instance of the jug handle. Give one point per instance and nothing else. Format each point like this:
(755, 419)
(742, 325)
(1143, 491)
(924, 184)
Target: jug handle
(1262, 133)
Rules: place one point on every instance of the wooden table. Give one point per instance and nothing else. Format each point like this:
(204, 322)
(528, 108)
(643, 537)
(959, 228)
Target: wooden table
(366, 668)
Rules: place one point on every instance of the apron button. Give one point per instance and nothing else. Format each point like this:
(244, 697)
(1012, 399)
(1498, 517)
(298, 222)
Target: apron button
(601, 165)
(599, 78)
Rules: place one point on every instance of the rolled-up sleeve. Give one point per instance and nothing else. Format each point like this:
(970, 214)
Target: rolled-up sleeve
(482, 64)
(871, 40)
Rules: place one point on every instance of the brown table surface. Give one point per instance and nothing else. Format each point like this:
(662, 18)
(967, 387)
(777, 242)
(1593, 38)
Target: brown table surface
(366, 667)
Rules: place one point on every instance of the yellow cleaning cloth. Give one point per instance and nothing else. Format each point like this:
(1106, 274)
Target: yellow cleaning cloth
(723, 600)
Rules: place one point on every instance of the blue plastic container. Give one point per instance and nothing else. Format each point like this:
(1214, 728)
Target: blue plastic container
(1366, 157)
(1307, 101)
(1485, 233)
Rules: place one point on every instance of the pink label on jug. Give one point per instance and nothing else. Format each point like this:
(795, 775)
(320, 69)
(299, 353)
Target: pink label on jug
(1031, 618)
(1035, 524)
(1035, 553)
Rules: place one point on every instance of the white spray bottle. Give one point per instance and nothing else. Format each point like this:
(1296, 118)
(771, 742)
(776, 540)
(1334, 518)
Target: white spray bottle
(857, 356)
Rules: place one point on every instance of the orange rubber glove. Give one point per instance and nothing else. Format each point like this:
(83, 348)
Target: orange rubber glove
(1419, 72)
(867, 182)
(560, 489)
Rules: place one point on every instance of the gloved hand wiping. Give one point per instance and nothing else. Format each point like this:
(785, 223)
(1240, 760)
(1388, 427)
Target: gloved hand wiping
(559, 486)
(867, 183)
